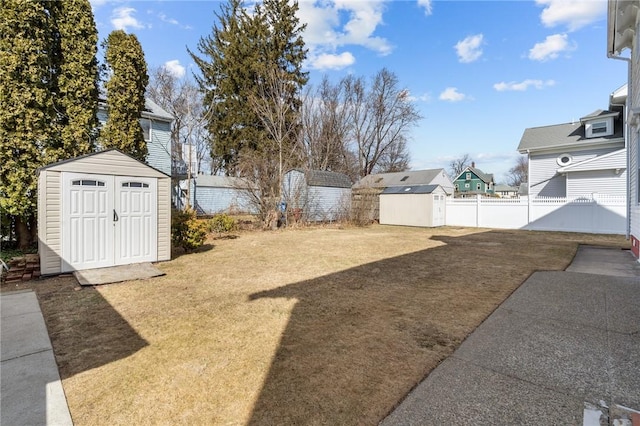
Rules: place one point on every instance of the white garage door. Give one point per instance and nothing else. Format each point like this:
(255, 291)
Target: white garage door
(108, 220)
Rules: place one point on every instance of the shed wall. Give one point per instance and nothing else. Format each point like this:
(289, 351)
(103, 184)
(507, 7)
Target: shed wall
(406, 209)
(164, 219)
(327, 203)
(49, 222)
(108, 163)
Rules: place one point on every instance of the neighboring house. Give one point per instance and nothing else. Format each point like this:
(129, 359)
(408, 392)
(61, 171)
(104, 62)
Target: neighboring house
(580, 158)
(505, 191)
(473, 181)
(366, 201)
(156, 127)
(210, 195)
(622, 30)
(317, 195)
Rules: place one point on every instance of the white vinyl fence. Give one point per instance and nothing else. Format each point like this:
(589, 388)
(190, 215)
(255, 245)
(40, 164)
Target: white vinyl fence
(597, 214)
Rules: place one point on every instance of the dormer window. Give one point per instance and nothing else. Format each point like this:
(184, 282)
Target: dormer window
(467, 176)
(599, 128)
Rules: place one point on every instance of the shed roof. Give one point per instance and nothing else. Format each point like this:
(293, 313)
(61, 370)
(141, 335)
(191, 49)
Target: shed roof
(221, 181)
(326, 178)
(88, 163)
(385, 180)
(505, 188)
(411, 189)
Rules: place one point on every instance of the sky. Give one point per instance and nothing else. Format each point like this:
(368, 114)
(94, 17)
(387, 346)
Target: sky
(479, 72)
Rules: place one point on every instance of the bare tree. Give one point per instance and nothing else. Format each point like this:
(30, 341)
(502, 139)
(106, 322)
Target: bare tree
(519, 173)
(457, 165)
(182, 98)
(382, 118)
(326, 127)
(266, 165)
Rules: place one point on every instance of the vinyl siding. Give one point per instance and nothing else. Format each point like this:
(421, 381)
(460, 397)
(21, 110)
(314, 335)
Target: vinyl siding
(633, 141)
(214, 200)
(597, 181)
(49, 222)
(319, 203)
(159, 147)
(406, 209)
(543, 179)
(164, 219)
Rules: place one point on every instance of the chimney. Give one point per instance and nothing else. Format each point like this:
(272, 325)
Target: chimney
(473, 164)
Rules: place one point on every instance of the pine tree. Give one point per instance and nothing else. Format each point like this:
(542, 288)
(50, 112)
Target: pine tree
(26, 107)
(242, 53)
(77, 78)
(125, 95)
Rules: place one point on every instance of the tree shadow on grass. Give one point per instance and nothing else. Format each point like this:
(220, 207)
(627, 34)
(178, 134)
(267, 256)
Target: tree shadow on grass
(85, 330)
(177, 252)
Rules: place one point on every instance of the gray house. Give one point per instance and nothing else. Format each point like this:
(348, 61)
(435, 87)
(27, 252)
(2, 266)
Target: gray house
(317, 195)
(580, 158)
(156, 127)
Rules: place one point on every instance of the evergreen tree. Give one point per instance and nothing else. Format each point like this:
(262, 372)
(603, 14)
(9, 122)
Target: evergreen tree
(236, 60)
(26, 107)
(77, 78)
(125, 95)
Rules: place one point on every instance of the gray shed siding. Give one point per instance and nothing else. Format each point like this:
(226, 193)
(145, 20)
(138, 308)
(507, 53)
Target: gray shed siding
(214, 200)
(318, 203)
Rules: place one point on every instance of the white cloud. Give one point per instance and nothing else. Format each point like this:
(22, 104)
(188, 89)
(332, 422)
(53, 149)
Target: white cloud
(551, 48)
(165, 18)
(122, 18)
(333, 24)
(451, 94)
(425, 97)
(575, 14)
(175, 68)
(469, 49)
(333, 61)
(523, 85)
(427, 5)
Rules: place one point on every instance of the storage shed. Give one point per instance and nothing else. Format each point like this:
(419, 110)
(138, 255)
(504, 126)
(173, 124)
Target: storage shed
(419, 205)
(320, 195)
(220, 194)
(102, 209)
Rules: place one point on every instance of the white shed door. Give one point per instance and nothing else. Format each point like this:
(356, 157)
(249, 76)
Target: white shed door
(87, 209)
(108, 220)
(439, 205)
(136, 225)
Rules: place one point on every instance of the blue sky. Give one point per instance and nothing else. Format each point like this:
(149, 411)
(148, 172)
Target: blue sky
(479, 72)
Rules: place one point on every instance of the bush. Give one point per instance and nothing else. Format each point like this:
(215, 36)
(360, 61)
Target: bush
(223, 223)
(186, 230)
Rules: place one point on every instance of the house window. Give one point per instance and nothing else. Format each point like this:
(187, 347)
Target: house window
(598, 128)
(457, 187)
(466, 185)
(404, 178)
(146, 128)
(468, 176)
(478, 186)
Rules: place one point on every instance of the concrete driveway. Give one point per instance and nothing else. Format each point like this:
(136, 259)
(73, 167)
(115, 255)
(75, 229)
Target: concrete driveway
(564, 348)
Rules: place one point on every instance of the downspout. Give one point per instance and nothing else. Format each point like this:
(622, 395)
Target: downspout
(625, 131)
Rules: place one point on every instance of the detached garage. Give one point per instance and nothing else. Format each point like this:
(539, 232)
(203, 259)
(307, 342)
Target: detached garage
(102, 209)
(418, 205)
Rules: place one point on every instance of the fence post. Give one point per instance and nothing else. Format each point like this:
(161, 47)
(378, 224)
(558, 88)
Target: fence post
(478, 210)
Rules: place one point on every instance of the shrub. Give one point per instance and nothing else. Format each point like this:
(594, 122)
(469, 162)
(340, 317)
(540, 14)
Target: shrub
(222, 223)
(186, 230)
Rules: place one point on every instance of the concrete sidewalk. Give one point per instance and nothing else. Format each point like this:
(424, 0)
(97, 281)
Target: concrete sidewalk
(31, 391)
(564, 348)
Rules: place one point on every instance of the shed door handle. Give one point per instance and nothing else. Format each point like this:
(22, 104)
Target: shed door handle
(115, 215)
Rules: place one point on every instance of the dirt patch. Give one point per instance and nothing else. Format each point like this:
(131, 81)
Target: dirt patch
(312, 326)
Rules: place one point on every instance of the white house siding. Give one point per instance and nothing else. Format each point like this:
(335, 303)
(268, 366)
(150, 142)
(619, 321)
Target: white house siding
(634, 151)
(585, 183)
(543, 180)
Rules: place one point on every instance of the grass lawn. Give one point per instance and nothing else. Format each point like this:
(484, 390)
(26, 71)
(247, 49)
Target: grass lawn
(308, 326)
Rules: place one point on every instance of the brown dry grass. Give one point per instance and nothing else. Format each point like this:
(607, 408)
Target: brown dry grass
(312, 326)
